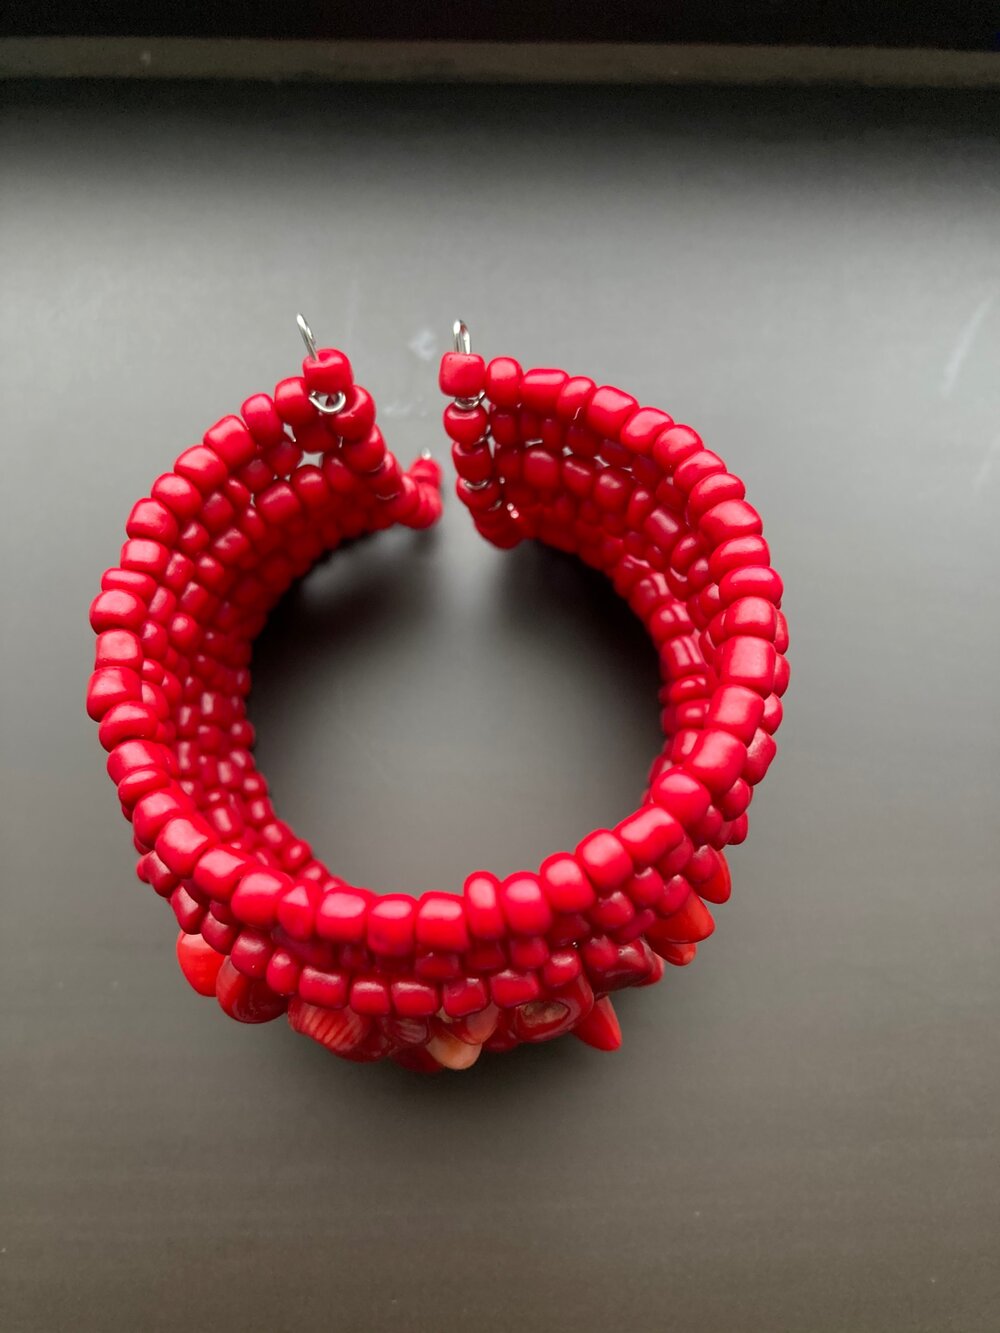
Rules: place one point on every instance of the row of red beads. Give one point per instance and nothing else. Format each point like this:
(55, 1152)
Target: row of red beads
(264, 924)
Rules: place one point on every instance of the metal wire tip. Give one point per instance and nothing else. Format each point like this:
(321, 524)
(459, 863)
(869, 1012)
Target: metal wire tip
(463, 339)
(307, 335)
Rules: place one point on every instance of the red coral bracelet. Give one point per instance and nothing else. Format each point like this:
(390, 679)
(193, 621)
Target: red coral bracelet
(431, 982)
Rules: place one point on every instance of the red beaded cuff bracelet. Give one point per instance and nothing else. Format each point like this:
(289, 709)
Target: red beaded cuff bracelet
(265, 927)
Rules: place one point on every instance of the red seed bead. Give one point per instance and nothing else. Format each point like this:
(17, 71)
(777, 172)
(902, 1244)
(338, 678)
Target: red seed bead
(218, 871)
(109, 686)
(462, 374)
(737, 552)
(177, 494)
(202, 467)
(319, 987)
(283, 972)
(441, 924)
(717, 760)
(263, 421)
(152, 519)
(605, 860)
(391, 923)
(356, 419)
(465, 425)
(503, 382)
(341, 916)
(467, 995)
(127, 721)
(414, 999)
(686, 798)
(753, 581)
(482, 907)
(255, 898)
(750, 662)
(370, 995)
(642, 428)
(328, 372)
(251, 953)
(230, 439)
(525, 905)
(509, 988)
(120, 648)
(117, 609)
(291, 402)
(751, 615)
(608, 411)
(540, 389)
(736, 709)
(566, 885)
(649, 834)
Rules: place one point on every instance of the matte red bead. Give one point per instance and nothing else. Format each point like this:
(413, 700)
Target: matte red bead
(462, 374)
(466, 995)
(391, 925)
(503, 381)
(414, 999)
(355, 420)
(509, 988)
(341, 916)
(482, 907)
(329, 372)
(256, 896)
(608, 411)
(605, 860)
(117, 609)
(540, 389)
(328, 989)
(648, 834)
(370, 995)
(230, 439)
(568, 887)
(441, 923)
(525, 905)
(685, 797)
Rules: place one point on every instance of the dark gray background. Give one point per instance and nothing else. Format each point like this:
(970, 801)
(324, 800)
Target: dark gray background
(800, 1132)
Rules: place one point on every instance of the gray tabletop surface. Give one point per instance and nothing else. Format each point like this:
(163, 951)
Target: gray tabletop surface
(801, 1130)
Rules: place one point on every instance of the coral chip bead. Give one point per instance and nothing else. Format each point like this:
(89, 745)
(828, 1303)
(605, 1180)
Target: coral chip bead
(246, 1000)
(199, 962)
(339, 1031)
(600, 1027)
(605, 860)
